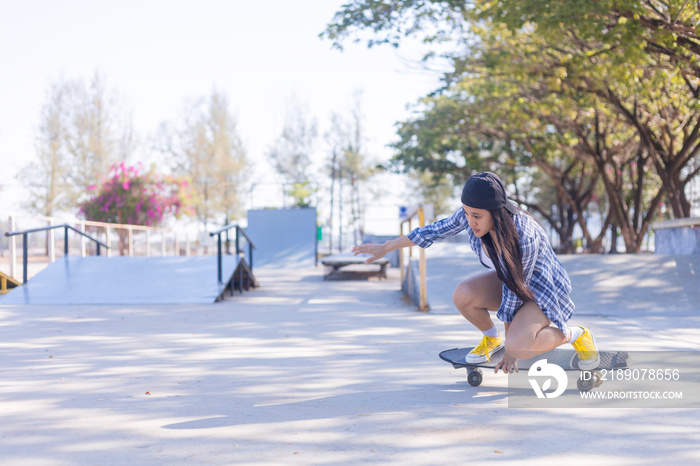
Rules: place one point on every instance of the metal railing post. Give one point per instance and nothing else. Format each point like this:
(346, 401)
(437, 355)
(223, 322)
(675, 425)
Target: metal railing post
(238, 244)
(13, 250)
(219, 259)
(401, 267)
(422, 283)
(25, 259)
(410, 249)
(83, 241)
(52, 243)
(239, 232)
(65, 240)
(422, 273)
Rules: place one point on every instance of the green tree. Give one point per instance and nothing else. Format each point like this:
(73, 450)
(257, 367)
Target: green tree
(292, 154)
(604, 63)
(205, 147)
(632, 29)
(335, 139)
(490, 118)
(98, 133)
(46, 178)
(435, 190)
(83, 129)
(349, 164)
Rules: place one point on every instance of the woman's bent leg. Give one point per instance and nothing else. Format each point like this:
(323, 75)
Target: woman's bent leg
(530, 333)
(476, 296)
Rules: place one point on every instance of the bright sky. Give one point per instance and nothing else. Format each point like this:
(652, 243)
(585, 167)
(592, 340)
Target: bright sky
(158, 53)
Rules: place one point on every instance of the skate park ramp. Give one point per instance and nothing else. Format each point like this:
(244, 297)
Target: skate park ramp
(283, 237)
(131, 280)
(447, 264)
(602, 283)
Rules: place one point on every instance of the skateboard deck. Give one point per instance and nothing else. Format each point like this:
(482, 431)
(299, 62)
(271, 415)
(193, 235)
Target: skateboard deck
(567, 359)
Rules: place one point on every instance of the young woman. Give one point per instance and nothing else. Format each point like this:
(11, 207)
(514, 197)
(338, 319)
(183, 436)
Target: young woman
(526, 283)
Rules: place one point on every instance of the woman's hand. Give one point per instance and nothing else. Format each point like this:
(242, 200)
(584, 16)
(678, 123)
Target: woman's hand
(508, 364)
(376, 250)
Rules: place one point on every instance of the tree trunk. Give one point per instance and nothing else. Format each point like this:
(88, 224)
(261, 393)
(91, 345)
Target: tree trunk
(330, 221)
(340, 211)
(613, 239)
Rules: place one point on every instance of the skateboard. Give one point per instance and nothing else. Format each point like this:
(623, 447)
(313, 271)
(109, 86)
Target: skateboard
(567, 359)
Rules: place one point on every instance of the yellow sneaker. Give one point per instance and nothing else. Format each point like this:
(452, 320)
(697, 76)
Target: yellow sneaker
(485, 349)
(586, 350)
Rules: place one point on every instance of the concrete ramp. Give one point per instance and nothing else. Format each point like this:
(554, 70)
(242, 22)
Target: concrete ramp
(447, 265)
(602, 283)
(132, 280)
(283, 238)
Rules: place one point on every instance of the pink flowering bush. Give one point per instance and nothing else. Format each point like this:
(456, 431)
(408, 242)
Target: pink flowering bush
(130, 195)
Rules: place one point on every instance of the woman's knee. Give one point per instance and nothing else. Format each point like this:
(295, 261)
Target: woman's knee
(519, 345)
(530, 334)
(482, 291)
(463, 296)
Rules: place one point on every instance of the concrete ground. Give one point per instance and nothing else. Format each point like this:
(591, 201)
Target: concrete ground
(307, 371)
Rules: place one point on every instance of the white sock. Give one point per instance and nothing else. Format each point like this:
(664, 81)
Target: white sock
(572, 333)
(492, 332)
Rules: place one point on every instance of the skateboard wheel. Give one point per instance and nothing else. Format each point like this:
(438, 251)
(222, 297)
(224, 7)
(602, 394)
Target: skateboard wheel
(584, 385)
(475, 377)
(598, 379)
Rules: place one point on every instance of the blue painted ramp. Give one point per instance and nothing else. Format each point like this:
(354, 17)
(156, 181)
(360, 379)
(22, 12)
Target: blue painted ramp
(130, 280)
(283, 238)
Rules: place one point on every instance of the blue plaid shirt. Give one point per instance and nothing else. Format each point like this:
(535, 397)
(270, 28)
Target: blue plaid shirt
(543, 272)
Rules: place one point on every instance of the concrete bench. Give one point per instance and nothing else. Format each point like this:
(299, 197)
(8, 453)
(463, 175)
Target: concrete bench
(355, 265)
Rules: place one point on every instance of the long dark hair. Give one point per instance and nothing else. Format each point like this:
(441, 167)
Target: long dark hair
(505, 254)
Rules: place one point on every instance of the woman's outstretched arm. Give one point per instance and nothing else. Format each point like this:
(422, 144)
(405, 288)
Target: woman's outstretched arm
(380, 250)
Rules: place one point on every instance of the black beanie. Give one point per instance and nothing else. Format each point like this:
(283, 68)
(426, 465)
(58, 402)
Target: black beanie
(485, 191)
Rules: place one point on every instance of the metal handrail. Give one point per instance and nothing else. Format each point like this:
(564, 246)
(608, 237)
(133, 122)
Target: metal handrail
(229, 227)
(422, 279)
(239, 231)
(65, 226)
